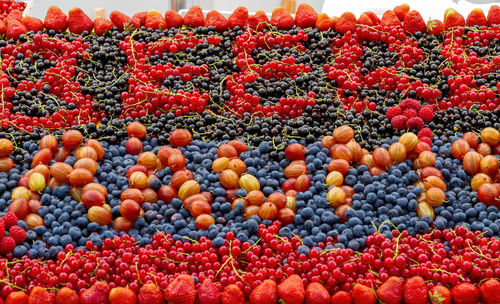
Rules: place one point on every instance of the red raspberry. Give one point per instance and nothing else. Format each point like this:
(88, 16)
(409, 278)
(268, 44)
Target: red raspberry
(426, 114)
(415, 123)
(17, 233)
(7, 244)
(425, 132)
(2, 229)
(10, 219)
(410, 103)
(399, 122)
(409, 112)
(426, 140)
(393, 111)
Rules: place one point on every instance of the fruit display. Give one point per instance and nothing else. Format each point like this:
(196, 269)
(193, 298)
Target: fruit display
(160, 158)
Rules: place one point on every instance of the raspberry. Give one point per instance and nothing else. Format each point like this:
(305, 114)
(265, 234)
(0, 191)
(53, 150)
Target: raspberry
(7, 244)
(415, 123)
(399, 122)
(10, 219)
(426, 140)
(425, 132)
(2, 229)
(410, 103)
(17, 233)
(393, 111)
(409, 112)
(426, 114)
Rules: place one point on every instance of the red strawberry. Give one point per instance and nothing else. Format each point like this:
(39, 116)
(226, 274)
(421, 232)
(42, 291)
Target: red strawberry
(232, 295)
(119, 19)
(323, 22)
(414, 22)
(364, 20)
(391, 292)
(435, 27)
(33, 24)
(181, 290)
(17, 297)
(3, 27)
(440, 295)
(305, 16)
(39, 295)
(401, 11)
(390, 19)
(465, 293)
(494, 15)
(341, 297)
(282, 19)
(334, 21)
(362, 294)
(150, 294)
(138, 19)
(292, 290)
(373, 16)
(15, 29)
(265, 293)
(258, 21)
(67, 295)
(17, 233)
(476, 17)
(208, 293)
(238, 18)
(490, 292)
(14, 14)
(55, 19)
(217, 20)
(96, 294)
(101, 25)
(122, 295)
(78, 21)
(346, 23)
(194, 17)
(173, 19)
(316, 293)
(415, 291)
(453, 19)
(155, 20)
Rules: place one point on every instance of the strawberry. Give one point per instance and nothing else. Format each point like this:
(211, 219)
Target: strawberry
(55, 19)
(173, 19)
(465, 293)
(401, 11)
(238, 18)
(96, 294)
(494, 15)
(305, 16)
(323, 22)
(440, 295)
(101, 25)
(375, 19)
(78, 21)
(341, 297)
(39, 295)
(476, 17)
(362, 294)
(14, 14)
(67, 295)
(217, 20)
(17, 297)
(155, 20)
(415, 291)
(453, 19)
(364, 20)
(435, 27)
(119, 19)
(232, 295)
(391, 292)
(150, 294)
(490, 292)
(334, 21)
(390, 19)
(14, 30)
(282, 19)
(138, 19)
(17, 233)
(208, 293)
(291, 290)
(258, 21)
(32, 24)
(121, 295)
(346, 23)
(316, 293)
(7, 244)
(3, 27)
(194, 17)
(265, 293)
(414, 22)
(181, 290)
